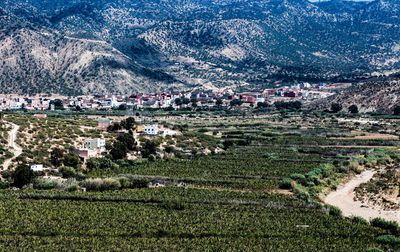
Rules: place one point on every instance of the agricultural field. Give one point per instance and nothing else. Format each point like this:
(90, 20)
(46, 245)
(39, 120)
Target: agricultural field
(234, 181)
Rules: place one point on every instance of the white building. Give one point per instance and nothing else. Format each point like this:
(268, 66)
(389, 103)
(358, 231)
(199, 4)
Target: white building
(98, 144)
(169, 132)
(150, 129)
(37, 167)
(260, 99)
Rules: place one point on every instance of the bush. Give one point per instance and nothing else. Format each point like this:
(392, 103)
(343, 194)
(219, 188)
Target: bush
(139, 183)
(101, 184)
(342, 169)
(334, 211)
(303, 196)
(72, 188)
(152, 157)
(67, 172)
(391, 226)
(298, 177)
(286, 183)
(92, 184)
(110, 184)
(336, 107)
(388, 239)
(44, 185)
(359, 220)
(353, 109)
(4, 185)
(353, 166)
(124, 182)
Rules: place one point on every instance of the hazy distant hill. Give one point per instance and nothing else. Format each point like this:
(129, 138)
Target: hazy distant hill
(83, 46)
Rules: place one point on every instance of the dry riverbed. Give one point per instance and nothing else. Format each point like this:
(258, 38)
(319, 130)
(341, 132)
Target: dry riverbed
(343, 198)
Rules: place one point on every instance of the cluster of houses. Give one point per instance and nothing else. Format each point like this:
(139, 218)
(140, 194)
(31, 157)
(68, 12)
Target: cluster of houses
(95, 147)
(158, 100)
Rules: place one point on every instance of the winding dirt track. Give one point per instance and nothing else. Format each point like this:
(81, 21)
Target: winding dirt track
(15, 149)
(343, 198)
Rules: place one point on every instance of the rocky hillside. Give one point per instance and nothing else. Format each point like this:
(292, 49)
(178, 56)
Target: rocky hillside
(380, 95)
(119, 46)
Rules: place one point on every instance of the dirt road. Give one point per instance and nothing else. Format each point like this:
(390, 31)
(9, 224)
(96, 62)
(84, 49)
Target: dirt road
(15, 149)
(343, 198)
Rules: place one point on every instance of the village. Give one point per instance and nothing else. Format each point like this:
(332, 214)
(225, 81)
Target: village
(175, 100)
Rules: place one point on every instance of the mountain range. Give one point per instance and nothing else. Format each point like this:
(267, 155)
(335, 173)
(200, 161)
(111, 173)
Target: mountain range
(97, 47)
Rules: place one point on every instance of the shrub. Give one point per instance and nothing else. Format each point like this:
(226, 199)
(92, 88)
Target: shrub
(139, 183)
(353, 109)
(359, 220)
(4, 185)
(298, 177)
(110, 184)
(315, 180)
(286, 183)
(152, 157)
(388, 239)
(67, 172)
(334, 211)
(92, 184)
(317, 204)
(342, 169)
(303, 195)
(124, 182)
(72, 188)
(101, 184)
(391, 226)
(44, 185)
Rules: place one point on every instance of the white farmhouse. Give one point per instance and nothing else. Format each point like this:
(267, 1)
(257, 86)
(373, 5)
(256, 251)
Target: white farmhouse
(98, 144)
(150, 129)
(37, 167)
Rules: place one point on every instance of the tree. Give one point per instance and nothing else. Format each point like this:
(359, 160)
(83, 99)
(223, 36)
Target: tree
(336, 107)
(56, 156)
(122, 107)
(118, 151)
(235, 102)
(185, 101)
(149, 148)
(58, 104)
(114, 127)
(67, 172)
(128, 123)
(262, 105)
(23, 175)
(219, 102)
(178, 101)
(288, 105)
(396, 110)
(71, 160)
(353, 109)
(127, 140)
(100, 163)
